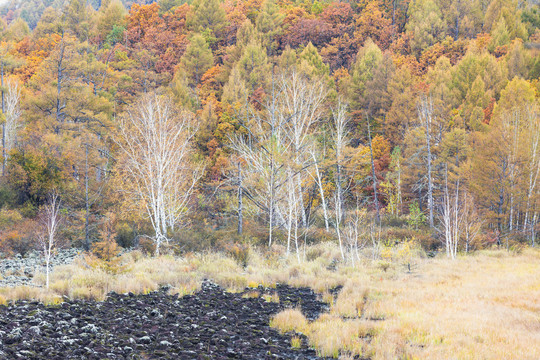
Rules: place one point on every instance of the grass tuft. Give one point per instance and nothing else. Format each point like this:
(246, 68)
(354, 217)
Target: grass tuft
(296, 342)
(290, 320)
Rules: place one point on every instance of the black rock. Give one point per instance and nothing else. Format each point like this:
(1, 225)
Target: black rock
(211, 324)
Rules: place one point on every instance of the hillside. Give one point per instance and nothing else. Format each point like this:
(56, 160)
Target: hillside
(320, 144)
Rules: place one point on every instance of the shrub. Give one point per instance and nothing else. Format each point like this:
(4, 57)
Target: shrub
(396, 236)
(290, 320)
(147, 245)
(395, 221)
(7, 196)
(19, 241)
(197, 238)
(8, 218)
(320, 235)
(239, 252)
(105, 252)
(416, 216)
(125, 235)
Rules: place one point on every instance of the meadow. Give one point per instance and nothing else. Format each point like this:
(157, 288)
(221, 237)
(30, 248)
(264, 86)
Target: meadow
(405, 305)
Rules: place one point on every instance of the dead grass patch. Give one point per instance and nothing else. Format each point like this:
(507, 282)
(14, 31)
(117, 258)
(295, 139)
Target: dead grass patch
(290, 320)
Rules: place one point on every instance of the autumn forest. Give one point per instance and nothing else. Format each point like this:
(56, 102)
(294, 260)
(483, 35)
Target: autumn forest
(182, 126)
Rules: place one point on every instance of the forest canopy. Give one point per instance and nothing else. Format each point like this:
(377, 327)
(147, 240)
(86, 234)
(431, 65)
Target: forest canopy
(276, 120)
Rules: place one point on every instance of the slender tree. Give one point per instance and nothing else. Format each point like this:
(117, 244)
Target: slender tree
(341, 139)
(50, 219)
(425, 114)
(155, 138)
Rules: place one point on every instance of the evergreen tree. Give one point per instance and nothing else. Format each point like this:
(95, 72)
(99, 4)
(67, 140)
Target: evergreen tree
(197, 59)
(268, 24)
(425, 24)
(207, 18)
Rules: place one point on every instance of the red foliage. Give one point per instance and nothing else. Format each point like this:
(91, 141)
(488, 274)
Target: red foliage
(304, 31)
(340, 52)
(488, 112)
(373, 23)
(164, 37)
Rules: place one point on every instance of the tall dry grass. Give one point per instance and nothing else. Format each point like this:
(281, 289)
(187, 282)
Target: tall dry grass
(480, 306)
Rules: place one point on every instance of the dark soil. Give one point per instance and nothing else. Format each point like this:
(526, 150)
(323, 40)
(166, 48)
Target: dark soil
(211, 324)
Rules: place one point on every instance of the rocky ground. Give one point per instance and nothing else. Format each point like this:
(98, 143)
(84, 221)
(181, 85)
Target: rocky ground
(20, 270)
(211, 324)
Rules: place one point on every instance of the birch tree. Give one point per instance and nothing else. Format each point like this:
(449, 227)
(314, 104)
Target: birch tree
(531, 143)
(300, 108)
(12, 115)
(50, 219)
(319, 181)
(425, 114)
(451, 218)
(472, 223)
(354, 234)
(341, 140)
(276, 149)
(156, 141)
(10, 94)
(263, 151)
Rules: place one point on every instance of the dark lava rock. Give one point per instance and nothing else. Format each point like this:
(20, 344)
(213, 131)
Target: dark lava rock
(210, 324)
(20, 270)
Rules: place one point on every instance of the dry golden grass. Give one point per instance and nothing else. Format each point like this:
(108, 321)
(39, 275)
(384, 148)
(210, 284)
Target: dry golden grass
(331, 335)
(480, 306)
(477, 307)
(290, 320)
(271, 298)
(29, 293)
(296, 342)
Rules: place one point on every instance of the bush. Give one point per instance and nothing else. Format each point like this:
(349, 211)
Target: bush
(320, 235)
(416, 216)
(19, 241)
(7, 196)
(9, 218)
(239, 252)
(395, 236)
(395, 221)
(194, 239)
(105, 252)
(125, 235)
(147, 246)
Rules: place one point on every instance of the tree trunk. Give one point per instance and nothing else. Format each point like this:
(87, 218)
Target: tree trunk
(375, 199)
(321, 190)
(4, 154)
(240, 204)
(426, 113)
(87, 204)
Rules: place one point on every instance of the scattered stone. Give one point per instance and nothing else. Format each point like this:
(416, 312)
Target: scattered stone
(18, 271)
(210, 324)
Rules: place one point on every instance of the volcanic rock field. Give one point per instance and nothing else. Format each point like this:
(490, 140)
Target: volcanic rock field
(210, 324)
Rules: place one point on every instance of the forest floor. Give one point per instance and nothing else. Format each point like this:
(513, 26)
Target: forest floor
(484, 305)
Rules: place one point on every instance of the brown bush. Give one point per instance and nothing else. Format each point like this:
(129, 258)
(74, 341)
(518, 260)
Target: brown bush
(19, 239)
(105, 252)
(147, 246)
(239, 252)
(395, 236)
